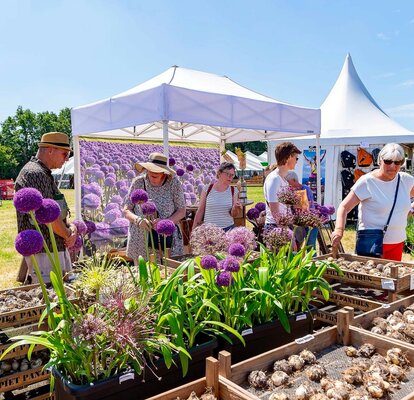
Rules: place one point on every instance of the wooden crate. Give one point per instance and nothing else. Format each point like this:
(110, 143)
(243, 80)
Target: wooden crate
(392, 284)
(343, 335)
(342, 298)
(25, 316)
(223, 389)
(20, 379)
(328, 313)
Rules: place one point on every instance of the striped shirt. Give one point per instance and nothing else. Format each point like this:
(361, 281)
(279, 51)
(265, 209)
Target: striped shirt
(218, 207)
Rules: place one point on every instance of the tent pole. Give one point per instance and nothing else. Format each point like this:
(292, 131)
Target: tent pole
(62, 174)
(222, 149)
(318, 170)
(77, 177)
(165, 138)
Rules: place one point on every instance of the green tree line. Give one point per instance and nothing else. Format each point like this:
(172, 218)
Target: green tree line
(20, 134)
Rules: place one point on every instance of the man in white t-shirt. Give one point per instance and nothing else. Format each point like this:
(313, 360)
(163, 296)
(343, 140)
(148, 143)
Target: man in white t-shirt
(286, 154)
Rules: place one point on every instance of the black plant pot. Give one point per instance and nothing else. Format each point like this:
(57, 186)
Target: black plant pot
(268, 336)
(129, 385)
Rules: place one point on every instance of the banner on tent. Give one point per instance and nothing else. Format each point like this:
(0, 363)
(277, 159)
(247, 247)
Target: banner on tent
(310, 175)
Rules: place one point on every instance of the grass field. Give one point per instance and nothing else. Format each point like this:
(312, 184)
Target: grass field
(10, 259)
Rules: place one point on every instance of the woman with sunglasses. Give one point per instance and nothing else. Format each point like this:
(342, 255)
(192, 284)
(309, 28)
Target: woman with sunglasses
(375, 192)
(219, 202)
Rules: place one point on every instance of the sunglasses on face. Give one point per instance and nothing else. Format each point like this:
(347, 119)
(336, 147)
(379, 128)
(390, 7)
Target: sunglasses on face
(389, 162)
(229, 174)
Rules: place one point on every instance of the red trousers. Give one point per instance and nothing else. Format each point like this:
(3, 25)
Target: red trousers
(392, 251)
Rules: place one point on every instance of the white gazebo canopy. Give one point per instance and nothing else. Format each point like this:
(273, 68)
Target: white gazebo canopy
(186, 105)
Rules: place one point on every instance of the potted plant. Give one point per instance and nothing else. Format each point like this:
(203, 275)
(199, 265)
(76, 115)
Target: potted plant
(104, 350)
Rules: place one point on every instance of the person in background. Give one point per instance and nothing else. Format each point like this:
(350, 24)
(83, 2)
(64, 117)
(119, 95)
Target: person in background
(301, 234)
(286, 154)
(219, 202)
(165, 190)
(374, 194)
(54, 150)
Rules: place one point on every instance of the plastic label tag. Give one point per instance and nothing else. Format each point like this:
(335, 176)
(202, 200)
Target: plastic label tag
(300, 317)
(304, 339)
(411, 281)
(126, 377)
(385, 306)
(247, 332)
(387, 284)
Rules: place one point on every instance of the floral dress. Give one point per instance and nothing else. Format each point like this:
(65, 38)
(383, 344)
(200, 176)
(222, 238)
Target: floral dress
(168, 198)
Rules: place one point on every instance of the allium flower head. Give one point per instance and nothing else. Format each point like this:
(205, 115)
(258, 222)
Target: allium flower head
(253, 213)
(89, 327)
(90, 226)
(112, 215)
(109, 182)
(111, 206)
(171, 162)
(91, 201)
(275, 238)
(120, 226)
(139, 196)
(165, 227)
(27, 199)
(311, 218)
(81, 227)
(189, 167)
(237, 250)
(242, 235)
(28, 242)
(231, 264)
(131, 174)
(117, 199)
(285, 218)
(208, 262)
(224, 279)
(48, 212)
(287, 195)
(77, 245)
(260, 206)
(330, 209)
(208, 239)
(148, 208)
(180, 172)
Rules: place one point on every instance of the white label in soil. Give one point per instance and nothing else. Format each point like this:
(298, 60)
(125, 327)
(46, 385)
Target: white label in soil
(387, 284)
(126, 377)
(247, 332)
(300, 317)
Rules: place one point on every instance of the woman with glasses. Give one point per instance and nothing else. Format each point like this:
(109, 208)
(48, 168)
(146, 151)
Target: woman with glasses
(219, 202)
(374, 193)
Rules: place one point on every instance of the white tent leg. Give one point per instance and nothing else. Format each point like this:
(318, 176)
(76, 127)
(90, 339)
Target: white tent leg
(165, 138)
(222, 149)
(77, 177)
(318, 171)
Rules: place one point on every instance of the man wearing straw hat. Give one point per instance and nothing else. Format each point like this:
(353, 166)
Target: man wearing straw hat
(54, 150)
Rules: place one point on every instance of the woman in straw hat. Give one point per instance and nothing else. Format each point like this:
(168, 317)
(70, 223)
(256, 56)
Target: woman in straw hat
(165, 190)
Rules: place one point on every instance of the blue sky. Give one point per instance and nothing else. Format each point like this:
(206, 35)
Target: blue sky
(68, 53)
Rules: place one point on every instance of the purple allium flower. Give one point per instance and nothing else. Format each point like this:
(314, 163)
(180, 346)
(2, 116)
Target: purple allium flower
(28, 242)
(116, 199)
(149, 208)
(330, 209)
(81, 227)
(253, 213)
(208, 262)
(27, 199)
(48, 212)
(139, 196)
(189, 168)
(120, 226)
(89, 327)
(99, 175)
(237, 250)
(131, 174)
(90, 226)
(165, 227)
(102, 231)
(180, 172)
(231, 264)
(208, 239)
(260, 206)
(111, 206)
(224, 279)
(91, 201)
(242, 235)
(171, 162)
(110, 182)
(311, 218)
(112, 215)
(123, 191)
(95, 189)
(77, 245)
(285, 218)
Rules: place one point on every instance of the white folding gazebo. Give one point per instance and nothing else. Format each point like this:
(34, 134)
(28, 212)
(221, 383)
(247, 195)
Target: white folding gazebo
(187, 105)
